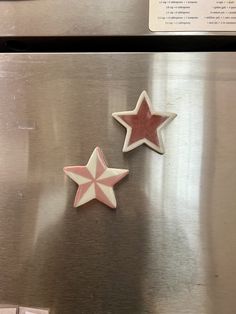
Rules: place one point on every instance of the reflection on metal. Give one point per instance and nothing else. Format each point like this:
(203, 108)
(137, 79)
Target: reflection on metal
(170, 248)
(178, 189)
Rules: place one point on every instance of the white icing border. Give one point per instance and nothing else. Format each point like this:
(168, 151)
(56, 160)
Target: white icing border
(126, 148)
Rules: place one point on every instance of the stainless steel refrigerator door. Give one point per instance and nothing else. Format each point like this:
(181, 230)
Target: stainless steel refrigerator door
(77, 18)
(170, 247)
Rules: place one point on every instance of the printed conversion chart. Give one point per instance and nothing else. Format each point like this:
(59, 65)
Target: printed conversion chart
(192, 15)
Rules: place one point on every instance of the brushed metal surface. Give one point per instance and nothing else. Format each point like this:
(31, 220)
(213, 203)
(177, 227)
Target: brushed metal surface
(170, 247)
(77, 18)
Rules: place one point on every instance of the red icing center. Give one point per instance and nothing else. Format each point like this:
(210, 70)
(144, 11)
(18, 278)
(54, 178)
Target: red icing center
(144, 124)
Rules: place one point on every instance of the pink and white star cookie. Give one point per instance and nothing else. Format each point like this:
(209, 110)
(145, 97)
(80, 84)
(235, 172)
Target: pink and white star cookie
(144, 125)
(95, 180)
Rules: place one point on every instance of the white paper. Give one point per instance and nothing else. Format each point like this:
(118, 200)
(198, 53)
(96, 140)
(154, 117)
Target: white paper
(27, 310)
(192, 15)
(8, 311)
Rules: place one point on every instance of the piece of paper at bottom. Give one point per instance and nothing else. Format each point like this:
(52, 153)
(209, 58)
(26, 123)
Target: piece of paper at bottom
(7, 311)
(27, 310)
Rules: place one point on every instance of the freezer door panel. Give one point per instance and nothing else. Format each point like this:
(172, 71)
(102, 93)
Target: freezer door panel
(170, 246)
(80, 18)
(73, 18)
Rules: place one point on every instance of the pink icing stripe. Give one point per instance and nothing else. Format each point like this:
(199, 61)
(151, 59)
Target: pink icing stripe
(101, 155)
(79, 170)
(144, 124)
(102, 197)
(83, 188)
(111, 181)
(101, 167)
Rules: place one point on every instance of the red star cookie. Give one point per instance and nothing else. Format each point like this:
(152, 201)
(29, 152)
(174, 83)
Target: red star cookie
(143, 125)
